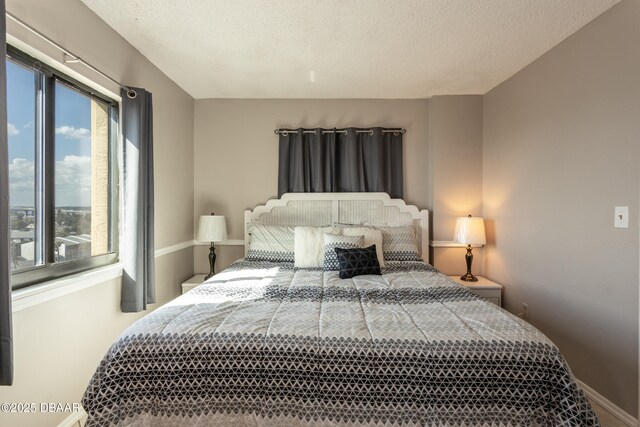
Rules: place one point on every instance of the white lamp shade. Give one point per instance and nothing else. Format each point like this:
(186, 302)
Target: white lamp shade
(212, 228)
(470, 231)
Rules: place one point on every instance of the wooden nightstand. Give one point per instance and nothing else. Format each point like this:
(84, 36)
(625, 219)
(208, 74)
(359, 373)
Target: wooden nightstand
(487, 289)
(196, 280)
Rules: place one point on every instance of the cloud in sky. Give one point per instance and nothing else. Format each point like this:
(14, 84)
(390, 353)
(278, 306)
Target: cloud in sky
(73, 181)
(71, 132)
(12, 129)
(21, 182)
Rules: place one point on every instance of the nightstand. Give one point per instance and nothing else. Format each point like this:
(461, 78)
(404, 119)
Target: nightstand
(485, 288)
(196, 280)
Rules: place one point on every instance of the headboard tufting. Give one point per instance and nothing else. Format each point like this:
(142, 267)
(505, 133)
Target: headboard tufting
(322, 209)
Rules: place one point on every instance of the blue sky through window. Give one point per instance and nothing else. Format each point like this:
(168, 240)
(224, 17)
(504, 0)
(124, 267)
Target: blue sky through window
(73, 141)
(21, 131)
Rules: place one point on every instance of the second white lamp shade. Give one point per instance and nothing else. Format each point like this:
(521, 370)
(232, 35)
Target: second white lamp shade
(470, 231)
(212, 228)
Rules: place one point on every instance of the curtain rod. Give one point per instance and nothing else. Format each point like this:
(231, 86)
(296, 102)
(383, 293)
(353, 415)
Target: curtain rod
(73, 57)
(286, 132)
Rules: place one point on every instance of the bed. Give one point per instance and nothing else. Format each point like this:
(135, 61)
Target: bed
(267, 343)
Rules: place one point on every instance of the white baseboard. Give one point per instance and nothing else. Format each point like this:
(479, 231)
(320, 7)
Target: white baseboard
(76, 419)
(610, 407)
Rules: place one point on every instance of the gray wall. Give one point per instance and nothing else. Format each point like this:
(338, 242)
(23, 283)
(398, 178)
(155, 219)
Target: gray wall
(456, 180)
(58, 344)
(561, 149)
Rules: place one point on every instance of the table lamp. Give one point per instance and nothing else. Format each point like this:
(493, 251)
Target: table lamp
(212, 228)
(469, 231)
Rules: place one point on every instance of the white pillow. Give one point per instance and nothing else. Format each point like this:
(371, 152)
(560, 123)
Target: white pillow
(270, 243)
(308, 246)
(371, 237)
(399, 243)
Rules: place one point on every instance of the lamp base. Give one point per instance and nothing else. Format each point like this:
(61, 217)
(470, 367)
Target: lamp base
(469, 259)
(469, 278)
(212, 262)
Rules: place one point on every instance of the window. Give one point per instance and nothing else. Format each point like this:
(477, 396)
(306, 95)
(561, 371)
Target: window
(62, 176)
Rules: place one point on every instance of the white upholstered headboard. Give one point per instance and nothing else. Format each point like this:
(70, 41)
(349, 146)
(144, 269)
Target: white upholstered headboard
(322, 209)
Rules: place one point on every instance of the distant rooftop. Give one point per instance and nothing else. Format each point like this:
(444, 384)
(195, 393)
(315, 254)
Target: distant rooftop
(18, 234)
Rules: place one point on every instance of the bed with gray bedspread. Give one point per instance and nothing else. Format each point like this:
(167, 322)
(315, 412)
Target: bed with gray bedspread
(264, 344)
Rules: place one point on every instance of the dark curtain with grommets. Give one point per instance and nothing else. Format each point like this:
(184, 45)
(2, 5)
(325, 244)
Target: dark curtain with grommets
(138, 261)
(345, 160)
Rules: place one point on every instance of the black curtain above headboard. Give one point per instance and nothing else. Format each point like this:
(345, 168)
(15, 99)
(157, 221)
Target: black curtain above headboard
(340, 160)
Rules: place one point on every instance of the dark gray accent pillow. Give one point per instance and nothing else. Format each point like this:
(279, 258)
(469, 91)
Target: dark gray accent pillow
(358, 261)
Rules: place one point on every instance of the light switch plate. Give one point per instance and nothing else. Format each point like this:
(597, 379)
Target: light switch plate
(622, 217)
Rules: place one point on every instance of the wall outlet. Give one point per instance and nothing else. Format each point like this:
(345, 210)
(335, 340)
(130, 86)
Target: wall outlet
(621, 219)
(524, 314)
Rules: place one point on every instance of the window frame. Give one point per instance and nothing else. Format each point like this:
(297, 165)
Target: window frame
(44, 239)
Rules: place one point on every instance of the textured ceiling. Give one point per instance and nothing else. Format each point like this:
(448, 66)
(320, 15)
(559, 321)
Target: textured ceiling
(343, 48)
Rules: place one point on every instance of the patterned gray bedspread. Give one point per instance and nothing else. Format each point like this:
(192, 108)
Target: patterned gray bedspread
(265, 344)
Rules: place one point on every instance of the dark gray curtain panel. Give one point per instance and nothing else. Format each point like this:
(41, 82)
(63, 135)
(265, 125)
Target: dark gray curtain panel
(339, 162)
(6, 338)
(138, 280)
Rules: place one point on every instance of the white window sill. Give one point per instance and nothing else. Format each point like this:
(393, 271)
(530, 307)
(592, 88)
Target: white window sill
(47, 291)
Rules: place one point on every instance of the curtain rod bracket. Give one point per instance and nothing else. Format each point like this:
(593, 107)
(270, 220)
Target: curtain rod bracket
(68, 59)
